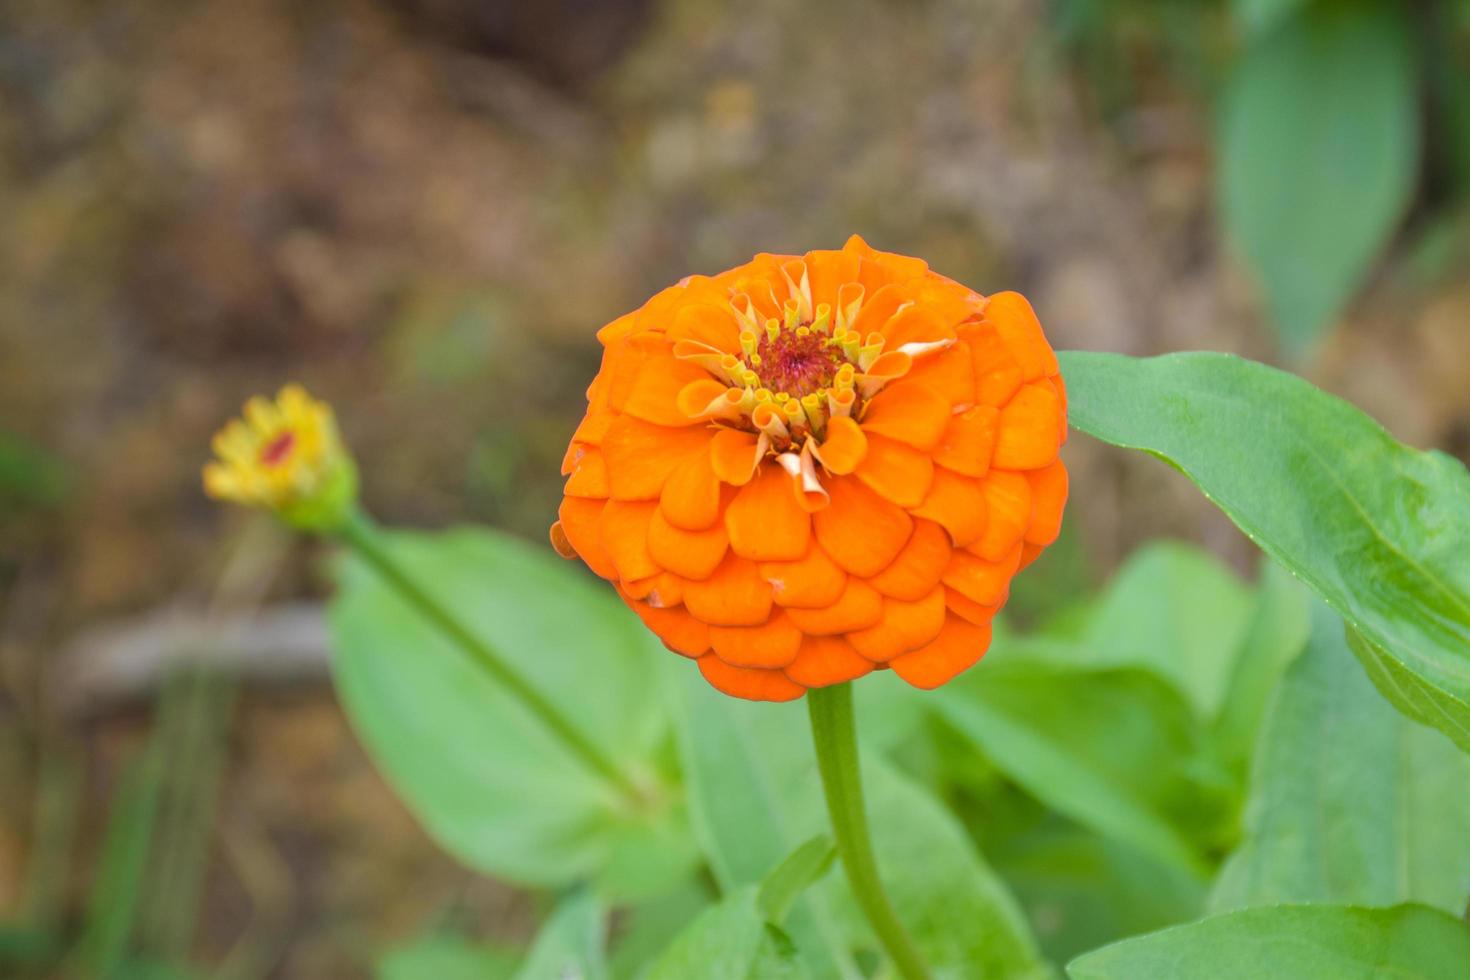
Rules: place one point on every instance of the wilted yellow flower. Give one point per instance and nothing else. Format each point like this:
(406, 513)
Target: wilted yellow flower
(285, 456)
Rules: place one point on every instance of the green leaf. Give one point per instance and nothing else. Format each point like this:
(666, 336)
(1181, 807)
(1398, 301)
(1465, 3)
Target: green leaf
(962, 917)
(1304, 942)
(731, 941)
(1276, 633)
(445, 957)
(1378, 530)
(1177, 611)
(1081, 890)
(1261, 15)
(570, 944)
(1106, 747)
(784, 885)
(1352, 802)
(485, 777)
(1319, 147)
(755, 796)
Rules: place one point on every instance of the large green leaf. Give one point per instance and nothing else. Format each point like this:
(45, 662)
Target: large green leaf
(730, 941)
(1379, 530)
(485, 777)
(1353, 803)
(1276, 633)
(570, 943)
(1177, 611)
(1319, 144)
(1082, 890)
(1303, 942)
(755, 796)
(1108, 747)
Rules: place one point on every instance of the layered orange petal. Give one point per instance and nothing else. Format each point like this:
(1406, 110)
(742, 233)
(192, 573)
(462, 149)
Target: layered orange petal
(690, 497)
(904, 626)
(765, 522)
(898, 473)
(958, 646)
(909, 413)
(580, 519)
(969, 441)
(918, 567)
(1027, 437)
(957, 504)
(691, 554)
(825, 660)
(641, 456)
(772, 644)
(860, 530)
(810, 582)
(624, 535)
(983, 582)
(859, 607)
(1049, 498)
(749, 683)
(1008, 512)
(679, 631)
(733, 595)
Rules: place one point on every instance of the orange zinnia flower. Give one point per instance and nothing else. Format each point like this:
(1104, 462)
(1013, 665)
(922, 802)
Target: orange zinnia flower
(809, 467)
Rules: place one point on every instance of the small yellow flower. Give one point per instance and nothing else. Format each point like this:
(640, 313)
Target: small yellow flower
(285, 456)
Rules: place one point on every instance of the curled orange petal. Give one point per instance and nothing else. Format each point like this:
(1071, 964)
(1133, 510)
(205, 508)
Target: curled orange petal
(843, 448)
(734, 455)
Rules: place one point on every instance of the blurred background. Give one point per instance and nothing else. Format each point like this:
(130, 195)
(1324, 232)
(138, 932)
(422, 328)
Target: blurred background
(423, 209)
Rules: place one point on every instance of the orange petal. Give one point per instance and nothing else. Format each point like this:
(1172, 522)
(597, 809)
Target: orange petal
(735, 595)
(958, 646)
(588, 476)
(772, 644)
(997, 376)
(706, 324)
(1029, 553)
(969, 608)
(824, 660)
(640, 456)
(662, 591)
(749, 683)
(690, 497)
(1008, 512)
(877, 309)
(580, 518)
(560, 543)
(904, 626)
(843, 447)
(734, 456)
(765, 521)
(957, 503)
(860, 530)
(1027, 436)
(897, 473)
(950, 374)
(810, 582)
(969, 441)
(690, 554)
(828, 271)
(655, 394)
(593, 427)
(917, 324)
(1015, 321)
(1049, 499)
(859, 607)
(984, 582)
(911, 413)
(624, 534)
(916, 570)
(1060, 387)
(678, 630)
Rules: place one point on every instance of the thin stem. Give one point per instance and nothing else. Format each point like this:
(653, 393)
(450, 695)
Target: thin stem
(835, 737)
(360, 534)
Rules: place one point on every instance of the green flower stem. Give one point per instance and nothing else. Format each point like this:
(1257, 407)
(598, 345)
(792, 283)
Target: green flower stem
(359, 533)
(835, 737)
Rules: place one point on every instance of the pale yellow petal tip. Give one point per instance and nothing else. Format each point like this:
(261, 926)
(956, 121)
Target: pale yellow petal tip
(287, 457)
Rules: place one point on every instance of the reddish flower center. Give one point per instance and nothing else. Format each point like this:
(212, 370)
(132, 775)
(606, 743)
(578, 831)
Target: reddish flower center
(797, 364)
(274, 453)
